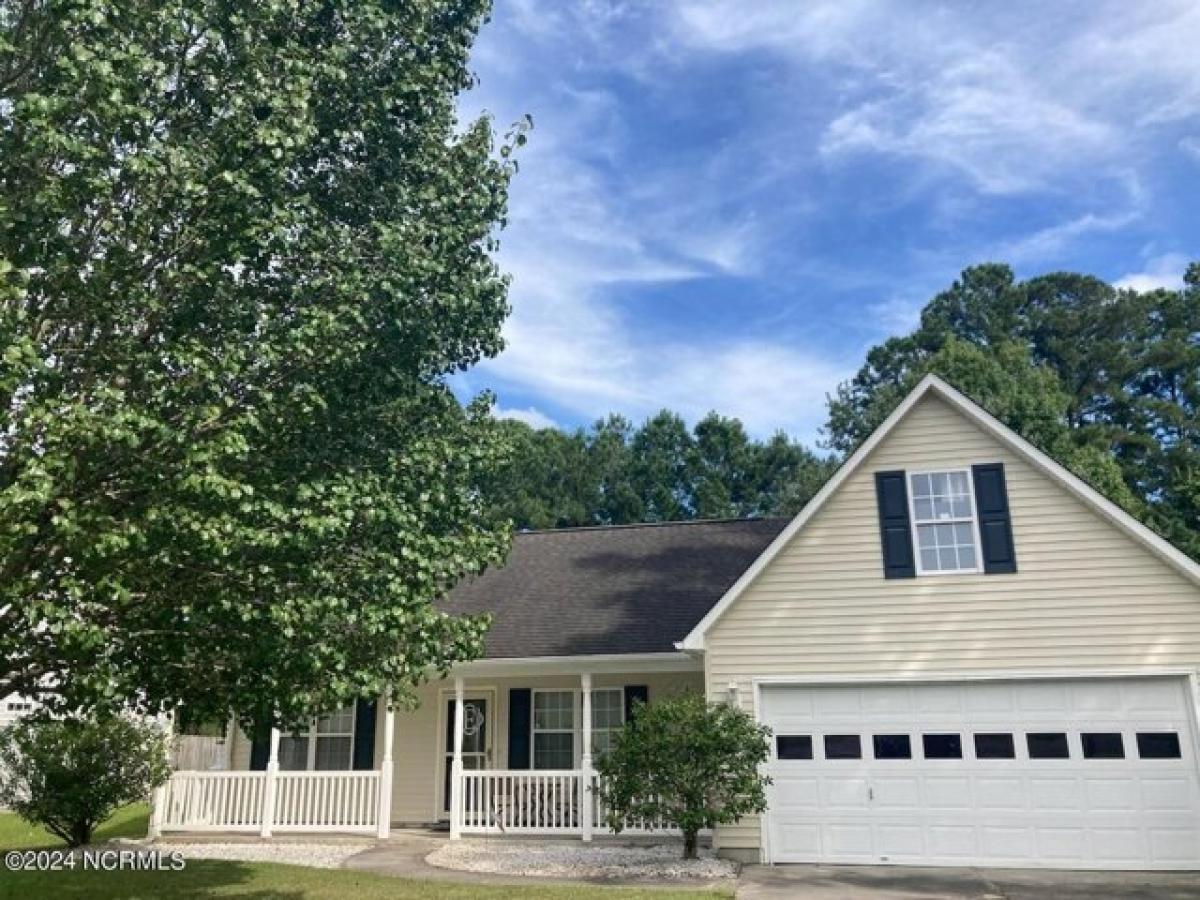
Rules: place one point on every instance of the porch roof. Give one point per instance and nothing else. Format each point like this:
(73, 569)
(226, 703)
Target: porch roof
(610, 590)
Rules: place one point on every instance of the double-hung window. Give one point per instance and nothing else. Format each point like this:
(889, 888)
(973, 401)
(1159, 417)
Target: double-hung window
(608, 717)
(327, 745)
(943, 517)
(335, 740)
(558, 729)
(554, 729)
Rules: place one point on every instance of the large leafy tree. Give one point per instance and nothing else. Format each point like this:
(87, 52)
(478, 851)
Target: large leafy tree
(615, 473)
(1105, 380)
(241, 247)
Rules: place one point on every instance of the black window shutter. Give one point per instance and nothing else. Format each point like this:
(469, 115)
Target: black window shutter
(635, 693)
(520, 701)
(260, 748)
(891, 492)
(364, 733)
(995, 523)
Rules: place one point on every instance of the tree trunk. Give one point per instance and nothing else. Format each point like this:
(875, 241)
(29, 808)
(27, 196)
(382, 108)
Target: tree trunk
(81, 834)
(689, 844)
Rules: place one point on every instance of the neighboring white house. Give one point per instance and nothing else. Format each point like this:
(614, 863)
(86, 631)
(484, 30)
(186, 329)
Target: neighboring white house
(14, 707)
(967, 657)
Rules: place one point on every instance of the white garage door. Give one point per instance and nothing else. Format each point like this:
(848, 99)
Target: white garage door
(1096, 773)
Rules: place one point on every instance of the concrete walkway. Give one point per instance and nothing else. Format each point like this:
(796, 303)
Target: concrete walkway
(905, 883)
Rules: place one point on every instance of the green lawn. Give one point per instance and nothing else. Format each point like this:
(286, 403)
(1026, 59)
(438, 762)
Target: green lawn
(261, 881)
(269, 881)
(16, 833)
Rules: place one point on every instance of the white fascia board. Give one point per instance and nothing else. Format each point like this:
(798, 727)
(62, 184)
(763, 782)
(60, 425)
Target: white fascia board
(1072, 482)
(974, 412)
(608, 663)
(695, 639)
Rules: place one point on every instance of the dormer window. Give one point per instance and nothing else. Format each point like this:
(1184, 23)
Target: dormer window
(943, 520)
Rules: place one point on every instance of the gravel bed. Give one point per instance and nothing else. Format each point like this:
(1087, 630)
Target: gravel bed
(321, 856)
(564, 860)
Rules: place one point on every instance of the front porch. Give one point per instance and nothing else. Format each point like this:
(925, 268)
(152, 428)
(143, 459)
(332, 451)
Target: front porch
(505, 747)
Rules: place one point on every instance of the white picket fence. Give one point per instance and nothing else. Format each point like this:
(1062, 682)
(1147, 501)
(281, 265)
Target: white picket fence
(551, 802)
(262, 803)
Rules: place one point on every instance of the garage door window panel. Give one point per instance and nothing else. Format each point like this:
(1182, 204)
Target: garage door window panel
(1047, 745)
(1158, 745)
(793, 746)
(843, 746)
(942, 746)
(945, 531)
(892, 746)
(995, 745)
(1102, 745)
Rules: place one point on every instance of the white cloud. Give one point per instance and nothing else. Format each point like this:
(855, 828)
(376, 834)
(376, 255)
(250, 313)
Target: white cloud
(982, 117)
(1048, 242)
(1165, 271)
(530, 415)
(583, 235)
(1015, 98)
(977, 107)
(898, 314)
(581, 351)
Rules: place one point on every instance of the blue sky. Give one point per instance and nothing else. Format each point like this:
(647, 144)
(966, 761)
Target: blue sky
(722, 206)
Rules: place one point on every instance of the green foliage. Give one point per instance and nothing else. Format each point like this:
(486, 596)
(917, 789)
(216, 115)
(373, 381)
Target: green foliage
(690, 762)
(615, 474)
(1105, 381)
(242, 246)
(70, 775)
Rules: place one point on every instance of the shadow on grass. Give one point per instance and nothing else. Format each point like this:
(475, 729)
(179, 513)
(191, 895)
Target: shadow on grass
(201, 878)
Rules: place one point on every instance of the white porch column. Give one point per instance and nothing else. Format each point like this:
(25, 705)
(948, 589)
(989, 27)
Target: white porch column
(384, 815)
(268, 801)
(157, 805)
(159, 800)
(587, 803)
(456, 766)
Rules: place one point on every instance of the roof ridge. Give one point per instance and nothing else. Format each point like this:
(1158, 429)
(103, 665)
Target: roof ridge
(674, 522)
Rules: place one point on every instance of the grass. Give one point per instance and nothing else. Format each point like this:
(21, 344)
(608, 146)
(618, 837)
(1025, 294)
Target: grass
(263, 881)
(17, 834)
(271, 881)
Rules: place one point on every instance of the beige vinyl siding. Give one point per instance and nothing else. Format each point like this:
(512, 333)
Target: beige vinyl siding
(1086, 595)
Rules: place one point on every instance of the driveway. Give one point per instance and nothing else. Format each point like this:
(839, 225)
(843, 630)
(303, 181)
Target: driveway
(894, 883)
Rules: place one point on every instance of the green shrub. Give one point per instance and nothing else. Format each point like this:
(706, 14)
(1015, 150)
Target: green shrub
(69, 775)
(689, 762)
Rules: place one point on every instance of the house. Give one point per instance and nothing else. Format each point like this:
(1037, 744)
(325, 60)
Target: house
(14, 707)
(966, 655)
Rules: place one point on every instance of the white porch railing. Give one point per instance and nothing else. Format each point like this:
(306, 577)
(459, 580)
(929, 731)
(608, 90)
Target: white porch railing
(495, 801)
(241, 801)
(326, 801)
(211, 801)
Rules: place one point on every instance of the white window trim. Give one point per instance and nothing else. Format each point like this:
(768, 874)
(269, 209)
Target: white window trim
(909, 474)
(576, 731)
(312, 735)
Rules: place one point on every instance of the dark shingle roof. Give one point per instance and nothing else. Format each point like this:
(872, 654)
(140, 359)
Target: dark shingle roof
(623, 589)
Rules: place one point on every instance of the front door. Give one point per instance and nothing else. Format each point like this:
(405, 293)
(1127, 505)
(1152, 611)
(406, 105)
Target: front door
(475, 750)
